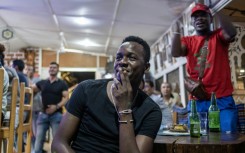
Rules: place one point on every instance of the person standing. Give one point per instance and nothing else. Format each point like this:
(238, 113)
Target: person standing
(217, 73)
(37, 103)
(54, 92)
(112, 115)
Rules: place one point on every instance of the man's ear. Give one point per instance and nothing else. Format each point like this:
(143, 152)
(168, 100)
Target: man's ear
(147, 67)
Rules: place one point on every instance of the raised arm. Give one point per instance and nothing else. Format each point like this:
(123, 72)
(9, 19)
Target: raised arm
(228, 30)
(177, 49)
(63, 137)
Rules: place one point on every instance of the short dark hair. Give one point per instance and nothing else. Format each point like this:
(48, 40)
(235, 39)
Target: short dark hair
(20, 63)
(54, 63)
(150, 83)
(141, 42)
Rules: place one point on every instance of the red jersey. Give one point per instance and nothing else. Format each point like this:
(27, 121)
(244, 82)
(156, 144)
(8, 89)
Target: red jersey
(217, 73)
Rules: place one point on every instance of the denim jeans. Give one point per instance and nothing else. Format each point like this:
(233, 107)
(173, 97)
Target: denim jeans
(34, 129)
(43, 122)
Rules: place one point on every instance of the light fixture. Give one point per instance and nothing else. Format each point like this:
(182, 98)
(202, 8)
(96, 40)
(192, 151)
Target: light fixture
(83, 21)
(7, 34)
(88, 43)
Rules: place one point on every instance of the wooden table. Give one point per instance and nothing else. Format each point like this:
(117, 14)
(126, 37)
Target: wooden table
(212, 143)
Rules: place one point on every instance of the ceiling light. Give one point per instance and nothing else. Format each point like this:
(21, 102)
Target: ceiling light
(87, 43)
(83, 21)
(61, 33)
(83, 11)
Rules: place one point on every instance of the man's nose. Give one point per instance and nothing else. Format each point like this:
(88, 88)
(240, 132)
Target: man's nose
(124, 61)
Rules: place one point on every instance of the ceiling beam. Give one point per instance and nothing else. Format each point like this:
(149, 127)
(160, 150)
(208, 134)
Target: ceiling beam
(112, 26)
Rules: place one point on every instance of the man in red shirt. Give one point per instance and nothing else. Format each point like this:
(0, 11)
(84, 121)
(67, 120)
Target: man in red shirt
(217, 74)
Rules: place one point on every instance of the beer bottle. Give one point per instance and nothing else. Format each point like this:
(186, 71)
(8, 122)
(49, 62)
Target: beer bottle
(194, 121)
(214, 115)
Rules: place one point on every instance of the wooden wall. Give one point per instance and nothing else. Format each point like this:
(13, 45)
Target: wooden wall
(73, 60)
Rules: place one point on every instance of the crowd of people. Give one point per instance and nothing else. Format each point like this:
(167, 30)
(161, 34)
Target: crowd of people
(124, 114)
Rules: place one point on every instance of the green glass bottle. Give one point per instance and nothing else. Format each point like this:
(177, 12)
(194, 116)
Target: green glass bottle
(194, 121)
(213, 115)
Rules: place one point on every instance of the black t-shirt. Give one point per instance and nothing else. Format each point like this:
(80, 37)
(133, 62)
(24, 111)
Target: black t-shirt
(51, 92)
(99, 128)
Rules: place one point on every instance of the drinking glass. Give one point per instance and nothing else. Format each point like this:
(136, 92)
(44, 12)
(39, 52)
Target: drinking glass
(203, 122)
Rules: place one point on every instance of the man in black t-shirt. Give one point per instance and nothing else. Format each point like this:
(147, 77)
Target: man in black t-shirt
(112, 116)
(54, 92)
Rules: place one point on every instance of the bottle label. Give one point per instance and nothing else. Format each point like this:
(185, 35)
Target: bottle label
(195, 129)
(214, 120)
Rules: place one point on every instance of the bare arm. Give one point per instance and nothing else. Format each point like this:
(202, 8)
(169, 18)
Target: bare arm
(34, 88)
(65, 97)
(228, 30)
(53, 108)
(63, 137)
(177, 49)
(128, 143)
(131, 144)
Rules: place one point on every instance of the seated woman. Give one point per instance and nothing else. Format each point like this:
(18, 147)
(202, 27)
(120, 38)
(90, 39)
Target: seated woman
(170, 98)
(170, 101)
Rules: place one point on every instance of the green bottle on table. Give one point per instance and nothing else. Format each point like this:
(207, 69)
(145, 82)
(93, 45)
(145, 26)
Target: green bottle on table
(213, 115)
(194, 121)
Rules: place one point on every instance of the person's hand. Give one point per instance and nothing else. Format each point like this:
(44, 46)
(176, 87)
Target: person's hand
(122, 91)
(51, 109)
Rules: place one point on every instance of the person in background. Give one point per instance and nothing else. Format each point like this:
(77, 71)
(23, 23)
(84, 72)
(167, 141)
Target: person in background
(217, 73)
(112, 115)
(151, 92)
(54, 92)
(19, 66)
(170, 98)
(37, 102)
(11, 75)
(5, 83)
(142, 84)
(170, 102)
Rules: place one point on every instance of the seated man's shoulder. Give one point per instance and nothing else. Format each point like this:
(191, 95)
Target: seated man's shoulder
(90, 83)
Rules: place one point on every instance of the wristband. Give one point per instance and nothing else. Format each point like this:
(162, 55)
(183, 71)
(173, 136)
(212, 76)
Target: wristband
(126, 111)
(125, 122)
